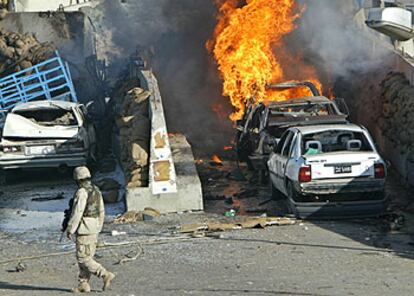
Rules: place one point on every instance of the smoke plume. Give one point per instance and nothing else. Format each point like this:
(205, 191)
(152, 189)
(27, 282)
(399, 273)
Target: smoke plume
(333, 34)
(174, 33)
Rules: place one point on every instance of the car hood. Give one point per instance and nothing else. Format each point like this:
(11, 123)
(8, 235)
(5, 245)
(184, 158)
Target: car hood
(17, 126)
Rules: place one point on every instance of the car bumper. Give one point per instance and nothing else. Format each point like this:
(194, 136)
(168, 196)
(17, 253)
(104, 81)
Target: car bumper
(338, 210)
(50, 161)
(341, 186)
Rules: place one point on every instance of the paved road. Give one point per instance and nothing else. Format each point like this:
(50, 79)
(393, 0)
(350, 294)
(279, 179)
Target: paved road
(359, 257)
(325, 258)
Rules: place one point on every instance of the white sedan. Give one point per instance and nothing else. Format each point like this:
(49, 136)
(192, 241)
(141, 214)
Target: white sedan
(46, 134)
(329, 170)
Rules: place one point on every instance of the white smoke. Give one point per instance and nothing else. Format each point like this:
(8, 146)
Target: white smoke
(334, 33)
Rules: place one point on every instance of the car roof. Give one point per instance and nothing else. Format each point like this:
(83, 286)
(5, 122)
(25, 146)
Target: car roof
(310, 129)
(303, 100)
(44, 104)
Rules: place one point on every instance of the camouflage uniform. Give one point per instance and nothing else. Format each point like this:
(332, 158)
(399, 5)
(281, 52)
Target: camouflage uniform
(86, 222)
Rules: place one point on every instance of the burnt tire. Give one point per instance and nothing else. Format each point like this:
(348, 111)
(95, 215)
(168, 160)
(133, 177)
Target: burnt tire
(263, 177)
(276, 194)
(292, 196)
(3, 177)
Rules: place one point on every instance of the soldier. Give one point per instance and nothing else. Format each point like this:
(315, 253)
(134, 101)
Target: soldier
(86, 222)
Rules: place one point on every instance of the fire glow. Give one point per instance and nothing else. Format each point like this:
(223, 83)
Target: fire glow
(216, 159)
(248, 48)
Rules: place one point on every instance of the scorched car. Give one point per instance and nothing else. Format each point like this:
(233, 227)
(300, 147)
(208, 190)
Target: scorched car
(46, 134)
(263, 124)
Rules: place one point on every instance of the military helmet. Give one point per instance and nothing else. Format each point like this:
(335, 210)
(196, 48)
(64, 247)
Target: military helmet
(81, 173)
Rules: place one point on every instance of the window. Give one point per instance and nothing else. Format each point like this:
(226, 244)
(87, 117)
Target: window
(299, 110)
(286, 148)
(335, 141)
(50, 116)
(281, 143)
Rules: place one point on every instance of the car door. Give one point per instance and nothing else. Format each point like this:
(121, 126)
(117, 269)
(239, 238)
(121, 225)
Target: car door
(274, 160)
(254, 129)
(282, 161)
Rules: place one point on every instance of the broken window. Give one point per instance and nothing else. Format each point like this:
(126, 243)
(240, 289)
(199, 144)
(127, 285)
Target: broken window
(301, 110)
(50, 117)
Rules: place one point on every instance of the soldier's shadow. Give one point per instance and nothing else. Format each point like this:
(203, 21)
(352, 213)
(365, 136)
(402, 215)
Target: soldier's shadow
(9, 286)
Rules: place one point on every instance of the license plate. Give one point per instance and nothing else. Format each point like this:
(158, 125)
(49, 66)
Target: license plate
(343, 169)
(40, 150)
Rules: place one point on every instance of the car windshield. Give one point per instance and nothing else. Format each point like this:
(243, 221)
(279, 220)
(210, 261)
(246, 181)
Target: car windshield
(310, 109)
(334, 141)
(49, 116)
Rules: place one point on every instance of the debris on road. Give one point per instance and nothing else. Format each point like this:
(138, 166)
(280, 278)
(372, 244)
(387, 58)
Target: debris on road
(230, 213)
(131, 256)
(20, 267)
(135, 216)
(150, 214)
(117, 233)
(128, 217)
(246, 223)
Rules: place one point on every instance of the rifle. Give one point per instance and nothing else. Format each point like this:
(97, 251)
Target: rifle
(67, 213)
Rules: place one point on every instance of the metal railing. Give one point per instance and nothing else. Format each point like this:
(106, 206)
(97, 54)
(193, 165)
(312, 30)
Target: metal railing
(49, 80)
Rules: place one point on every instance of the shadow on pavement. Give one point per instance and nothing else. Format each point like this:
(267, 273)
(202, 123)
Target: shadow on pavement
(9, 286)
(242, 291)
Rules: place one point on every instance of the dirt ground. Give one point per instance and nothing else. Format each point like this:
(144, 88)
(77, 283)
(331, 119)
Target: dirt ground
(352, 257)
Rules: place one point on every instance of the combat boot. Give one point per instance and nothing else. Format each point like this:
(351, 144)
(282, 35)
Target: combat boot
(82, 288)
(107, 278)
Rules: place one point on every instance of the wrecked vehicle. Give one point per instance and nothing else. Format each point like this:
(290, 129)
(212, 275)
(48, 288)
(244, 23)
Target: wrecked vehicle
(328, 170)
(262, 126)
(46, 134)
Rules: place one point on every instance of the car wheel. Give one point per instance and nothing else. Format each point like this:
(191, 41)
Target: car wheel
(276, 194)
(263, 177)
(3, 177)
(291, 197)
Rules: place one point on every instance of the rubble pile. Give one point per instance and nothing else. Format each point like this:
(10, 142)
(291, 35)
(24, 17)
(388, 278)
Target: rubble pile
(134, 128)
(21, 51)
(395, 119)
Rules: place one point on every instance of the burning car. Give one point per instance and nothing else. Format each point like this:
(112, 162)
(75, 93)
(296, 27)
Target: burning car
(263, 124)
(46, 134)
(332, 170)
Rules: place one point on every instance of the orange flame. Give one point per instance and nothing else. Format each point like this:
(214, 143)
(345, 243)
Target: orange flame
(216, 159)
(244, 46)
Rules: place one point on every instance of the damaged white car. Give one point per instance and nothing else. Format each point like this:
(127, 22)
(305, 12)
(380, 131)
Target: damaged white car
(329, 170)
(46, 134)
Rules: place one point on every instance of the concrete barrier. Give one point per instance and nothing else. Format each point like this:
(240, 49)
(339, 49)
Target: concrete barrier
(189, 194)
(174, 184)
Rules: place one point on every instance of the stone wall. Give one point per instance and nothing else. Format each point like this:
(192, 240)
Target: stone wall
(21, 51)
